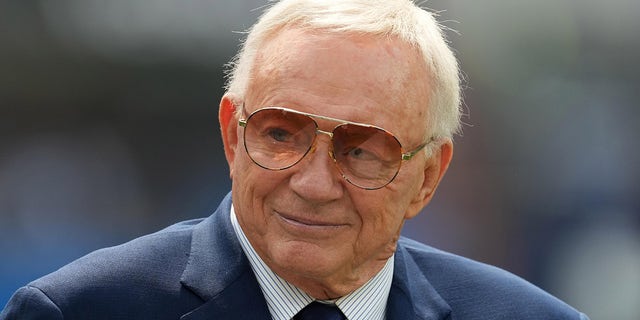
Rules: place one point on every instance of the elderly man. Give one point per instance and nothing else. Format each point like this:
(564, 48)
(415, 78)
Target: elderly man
(337, 127)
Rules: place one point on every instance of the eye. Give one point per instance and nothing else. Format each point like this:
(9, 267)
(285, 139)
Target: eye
(278, 134)
(358, 153)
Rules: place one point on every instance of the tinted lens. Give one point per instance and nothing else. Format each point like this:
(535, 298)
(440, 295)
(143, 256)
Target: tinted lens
(277, 139)
(368, 157)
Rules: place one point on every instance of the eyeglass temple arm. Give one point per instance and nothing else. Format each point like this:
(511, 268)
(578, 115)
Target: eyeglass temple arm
(410, 154)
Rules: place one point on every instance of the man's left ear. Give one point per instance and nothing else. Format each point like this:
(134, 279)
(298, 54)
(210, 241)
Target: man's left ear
(434, 169)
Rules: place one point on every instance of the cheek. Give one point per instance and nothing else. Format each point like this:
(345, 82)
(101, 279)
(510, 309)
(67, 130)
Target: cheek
(383, 211)
(408, 186)
(251, 184)
(253, 191)
(257, 187)
(382, 217)
(247, 174)
(381, 221)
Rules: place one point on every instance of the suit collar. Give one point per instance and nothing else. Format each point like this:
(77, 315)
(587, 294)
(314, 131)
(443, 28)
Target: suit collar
(412, 296)
(219, 272)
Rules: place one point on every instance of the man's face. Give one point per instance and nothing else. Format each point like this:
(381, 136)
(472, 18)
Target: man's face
(307, 223)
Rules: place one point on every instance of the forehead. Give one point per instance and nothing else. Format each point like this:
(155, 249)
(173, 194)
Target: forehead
(378, 80)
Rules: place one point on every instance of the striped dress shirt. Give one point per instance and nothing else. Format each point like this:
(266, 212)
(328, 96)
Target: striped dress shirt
(285, 300)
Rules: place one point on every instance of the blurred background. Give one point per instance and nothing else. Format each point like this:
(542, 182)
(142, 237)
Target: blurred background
(108, 130)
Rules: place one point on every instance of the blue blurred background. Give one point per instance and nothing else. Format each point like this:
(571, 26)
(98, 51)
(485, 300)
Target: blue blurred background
(108, 130)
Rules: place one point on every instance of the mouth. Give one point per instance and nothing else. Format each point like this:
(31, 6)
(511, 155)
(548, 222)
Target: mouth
(305, 222)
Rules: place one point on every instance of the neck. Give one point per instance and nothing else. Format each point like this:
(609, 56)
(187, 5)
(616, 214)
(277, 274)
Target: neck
(336, 285)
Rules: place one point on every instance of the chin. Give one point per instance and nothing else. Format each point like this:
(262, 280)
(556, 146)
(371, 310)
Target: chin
(305, 260)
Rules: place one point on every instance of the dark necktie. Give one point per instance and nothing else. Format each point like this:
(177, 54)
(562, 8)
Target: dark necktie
(319, 311)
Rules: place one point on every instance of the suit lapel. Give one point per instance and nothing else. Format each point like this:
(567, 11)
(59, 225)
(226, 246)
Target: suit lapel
(219, 272)
(242, 299)
(412, 296)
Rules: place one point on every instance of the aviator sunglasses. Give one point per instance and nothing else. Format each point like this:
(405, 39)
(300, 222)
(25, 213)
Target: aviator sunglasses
(367, 156)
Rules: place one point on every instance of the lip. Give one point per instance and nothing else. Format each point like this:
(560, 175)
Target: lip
(306, 223)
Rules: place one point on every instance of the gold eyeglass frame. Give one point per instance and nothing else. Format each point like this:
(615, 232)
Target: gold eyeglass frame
(404, 156)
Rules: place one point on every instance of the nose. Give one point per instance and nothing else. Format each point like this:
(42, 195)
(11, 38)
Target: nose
(316, 178)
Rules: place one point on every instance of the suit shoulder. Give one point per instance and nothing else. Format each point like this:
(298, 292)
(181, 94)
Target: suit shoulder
(30, 303)
(148, 266)
(162, 248)
(169, 243)
(475, 289)
(447, 271)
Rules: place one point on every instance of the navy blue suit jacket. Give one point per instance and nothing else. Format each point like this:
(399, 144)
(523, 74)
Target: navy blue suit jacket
(197, 270)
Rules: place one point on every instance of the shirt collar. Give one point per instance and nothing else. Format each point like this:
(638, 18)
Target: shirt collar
(285, 300)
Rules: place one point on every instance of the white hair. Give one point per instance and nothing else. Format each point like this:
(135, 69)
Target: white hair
(400, 18)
